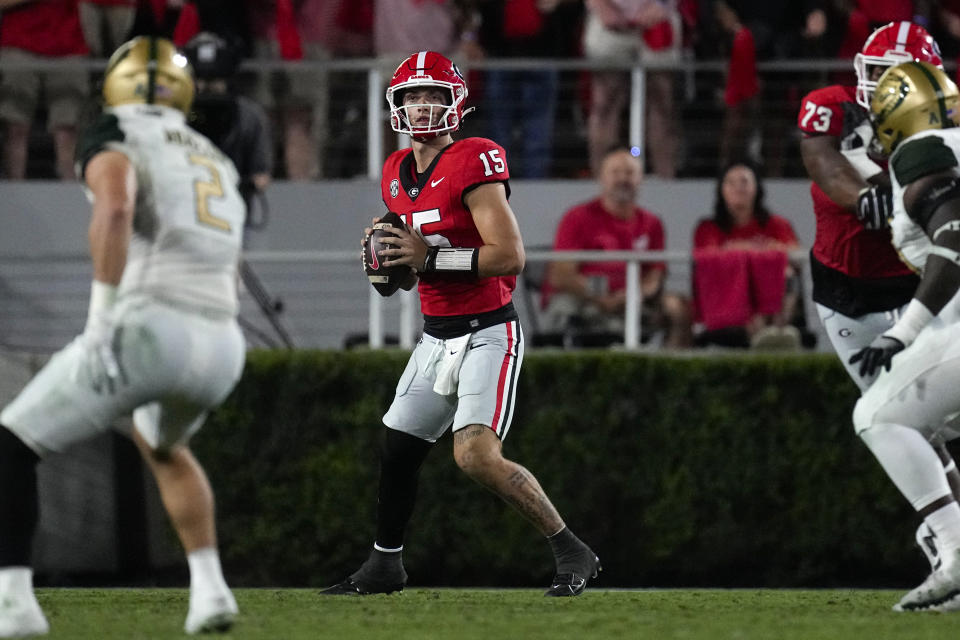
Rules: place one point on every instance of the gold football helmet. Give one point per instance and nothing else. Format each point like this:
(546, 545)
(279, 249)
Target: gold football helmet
(148, 70)
(912, 97)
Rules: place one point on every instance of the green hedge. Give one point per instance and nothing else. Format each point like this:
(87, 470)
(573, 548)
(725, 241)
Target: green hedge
(679, 471)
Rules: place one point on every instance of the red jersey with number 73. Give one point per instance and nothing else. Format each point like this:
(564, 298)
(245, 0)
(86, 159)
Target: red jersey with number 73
(842, 243)
(433, 204)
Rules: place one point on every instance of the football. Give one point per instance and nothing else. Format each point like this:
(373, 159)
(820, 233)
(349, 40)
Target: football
(386, 280)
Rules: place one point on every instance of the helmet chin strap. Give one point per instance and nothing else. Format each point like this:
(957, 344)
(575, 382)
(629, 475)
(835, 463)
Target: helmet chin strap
(437, 134)
(152, 72)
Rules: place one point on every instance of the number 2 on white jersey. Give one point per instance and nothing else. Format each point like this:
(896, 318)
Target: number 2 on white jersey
(494, 159)
(822, 123)
(204, 190)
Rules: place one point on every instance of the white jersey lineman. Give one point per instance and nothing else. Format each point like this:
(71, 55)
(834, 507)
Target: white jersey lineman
(909, 239)
(920, 388)
(177, 342)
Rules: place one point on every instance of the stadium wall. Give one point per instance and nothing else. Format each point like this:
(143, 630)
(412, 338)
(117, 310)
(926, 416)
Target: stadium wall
(43, 300)
(42, 218)
(727, 471)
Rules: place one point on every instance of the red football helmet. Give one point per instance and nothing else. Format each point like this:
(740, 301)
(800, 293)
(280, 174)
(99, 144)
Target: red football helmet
(888, 46)
(427, 69)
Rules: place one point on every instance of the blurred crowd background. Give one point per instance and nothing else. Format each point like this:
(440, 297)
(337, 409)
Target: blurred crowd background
(548, 77)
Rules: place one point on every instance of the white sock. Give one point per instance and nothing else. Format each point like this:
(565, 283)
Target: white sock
(206, 575)
(386, 550)
(16, 581)
(909, 461)
(945, 524)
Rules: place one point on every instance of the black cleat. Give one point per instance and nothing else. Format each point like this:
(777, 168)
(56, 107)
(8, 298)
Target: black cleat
(349, 587)
(567, 585)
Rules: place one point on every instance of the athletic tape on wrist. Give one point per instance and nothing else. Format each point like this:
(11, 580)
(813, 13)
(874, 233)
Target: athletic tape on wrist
(451, 260)
(913, 320)
(102, 298)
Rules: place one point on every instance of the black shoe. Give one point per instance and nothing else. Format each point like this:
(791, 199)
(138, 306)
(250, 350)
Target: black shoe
(566, 585)
(351, 588)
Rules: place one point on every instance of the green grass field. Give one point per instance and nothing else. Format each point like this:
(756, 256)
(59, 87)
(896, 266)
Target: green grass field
(463, 614)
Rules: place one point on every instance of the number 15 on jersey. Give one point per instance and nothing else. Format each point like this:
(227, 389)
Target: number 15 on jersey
(492, 162)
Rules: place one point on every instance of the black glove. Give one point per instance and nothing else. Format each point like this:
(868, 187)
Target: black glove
(874, 205)
(878, 354)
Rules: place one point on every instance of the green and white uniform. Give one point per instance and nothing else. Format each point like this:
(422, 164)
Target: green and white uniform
(920, 388)
(909, 239)
(177, 341)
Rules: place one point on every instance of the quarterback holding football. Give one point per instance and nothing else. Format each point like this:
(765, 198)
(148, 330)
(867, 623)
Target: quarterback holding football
(460, 243)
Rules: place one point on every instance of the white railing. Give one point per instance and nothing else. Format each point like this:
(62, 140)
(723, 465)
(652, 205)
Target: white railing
(408, 303)
(375, 103)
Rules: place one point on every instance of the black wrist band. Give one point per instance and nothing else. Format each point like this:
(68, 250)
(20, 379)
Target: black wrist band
(430, 260)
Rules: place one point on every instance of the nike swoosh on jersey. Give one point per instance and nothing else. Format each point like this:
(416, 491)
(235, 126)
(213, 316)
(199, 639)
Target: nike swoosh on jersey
(434, 183)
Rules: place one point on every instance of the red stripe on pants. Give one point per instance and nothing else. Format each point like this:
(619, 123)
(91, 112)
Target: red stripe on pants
(502, 382)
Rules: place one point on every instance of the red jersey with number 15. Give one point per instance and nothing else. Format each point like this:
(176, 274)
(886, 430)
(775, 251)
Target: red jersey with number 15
(433, 204)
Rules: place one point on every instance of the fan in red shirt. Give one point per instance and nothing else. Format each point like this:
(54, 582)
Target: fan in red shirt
(859, 283)
(462, 242)
(585, 301)
(741, 268)
(41, 31)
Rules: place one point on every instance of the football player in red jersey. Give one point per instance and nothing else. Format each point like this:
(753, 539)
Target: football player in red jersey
(463, 243)
(860, 284)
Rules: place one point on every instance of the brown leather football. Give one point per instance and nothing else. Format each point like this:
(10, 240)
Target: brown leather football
(386, 280)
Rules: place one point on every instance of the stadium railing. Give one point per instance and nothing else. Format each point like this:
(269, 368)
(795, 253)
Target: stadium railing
(698, 105)
(408, 326)
(45, 298)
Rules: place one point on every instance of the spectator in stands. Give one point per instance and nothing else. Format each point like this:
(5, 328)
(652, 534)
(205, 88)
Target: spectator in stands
(590, 297)
(520, 104)
(297, 100)
(445, 26)
(740, 97)
(852, 21)
(106, 24)
(41, 31)
(353, 29)
(215, 16)
(157, 17)
(623, 31)
(236, 124)
(767, 30)
(945, 28)
(745, 289)
(880, 12)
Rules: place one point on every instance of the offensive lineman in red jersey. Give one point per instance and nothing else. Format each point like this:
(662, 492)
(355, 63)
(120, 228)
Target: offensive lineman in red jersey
(860, 284)
(463, 242)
